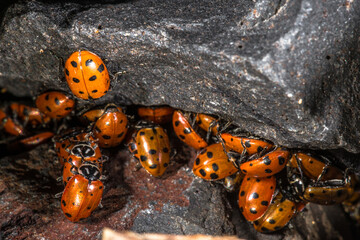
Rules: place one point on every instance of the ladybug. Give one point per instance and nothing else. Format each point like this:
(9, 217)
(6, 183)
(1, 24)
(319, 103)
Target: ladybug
(158, 115)
(111, 127)
(150, 145)
(278, 214)
(207, 123)
(232, 182)
(328, 192)
(29, 114)
(80, 153)
(55, 104)
(86, 75)
(91, 115)
(9, 125)
(185, 132)
(245, 146)
(82, 194)
(28, 143)
(212, 163)
(267, 165)
(313, 168)
(255, 196)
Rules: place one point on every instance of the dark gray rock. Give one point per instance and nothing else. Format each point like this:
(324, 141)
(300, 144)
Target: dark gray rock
(285, 71)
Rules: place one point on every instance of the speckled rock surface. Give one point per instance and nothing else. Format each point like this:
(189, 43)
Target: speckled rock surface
(287, 71)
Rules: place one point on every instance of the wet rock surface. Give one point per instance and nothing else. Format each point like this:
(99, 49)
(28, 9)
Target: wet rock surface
(286, 71)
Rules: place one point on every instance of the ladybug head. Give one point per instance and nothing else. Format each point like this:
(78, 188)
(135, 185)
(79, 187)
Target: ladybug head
(90, 171)
(83, 150)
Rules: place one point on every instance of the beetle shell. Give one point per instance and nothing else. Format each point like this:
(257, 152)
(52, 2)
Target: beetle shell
(29, 114)
(111, 127)
(279, 213)
(267, 165)
(313, 167)
(327, 195)
(92, 115)
(185, 132)
(81, 198)
(159, 115)
(33, 141)
(151, 146)
(255, 196)
(212, 163)
(55, 104)
(207, 123)
(86, 75)
(9, 125)
(250, 145)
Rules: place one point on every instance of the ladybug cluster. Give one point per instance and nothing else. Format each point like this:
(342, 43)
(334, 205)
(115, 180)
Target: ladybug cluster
(274, 183)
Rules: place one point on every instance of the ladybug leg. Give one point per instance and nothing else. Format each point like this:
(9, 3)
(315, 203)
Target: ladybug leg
(103, 178)
(104, 158)
(59, 179)
(58, 195)
(231, 156)
(228, 124)
(173, 153)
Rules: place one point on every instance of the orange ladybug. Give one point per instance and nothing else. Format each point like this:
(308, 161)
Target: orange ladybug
(86, 75)
(267, 165)
(28, 143)
(245, 146)
(279, 213)
(29, 114)
(208, 123)
(255, 196)
(111, 127)
(212, 163)
(158, 115)
(82, 194)
(185, 132)
(150, 145)
(9, 125)
(314, 168)
(55, 104)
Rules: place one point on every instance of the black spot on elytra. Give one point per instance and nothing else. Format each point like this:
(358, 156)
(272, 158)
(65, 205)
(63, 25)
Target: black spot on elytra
(197, 161)
(250, 164)
(257, 180)
(47, 97)
(67, 72)
(166, 164)
(106, 136)
(100, 187)
(74, 64)
(244, 171)
(48, 108)
(281, 160)
(75, 80)
(255, 195)
(202, 172)
(120, 135)
(277, 228)
(214, 176)
(264, 203)
(68, 215)
(241, 209)
(165, 150)
(177, 123)
(267, 160)
(101, 68)
(281, 209)
(209, 154)
(88, 207)
(264, 229)
(81, 92)
(63, 203)
(311, 162)
(187, 130)
(311, 195)
(152, 138)
(247, 144)
(268, 170)
(57, 102)
(94, 91)
(68, 108)
(141, 133)
(143, 158)
(153, 166)
(92, 78)
(242, 193)
(272, 221)
(182, 137)
(253, 211)
(215, 167)
(152, 151)
(88, 62)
